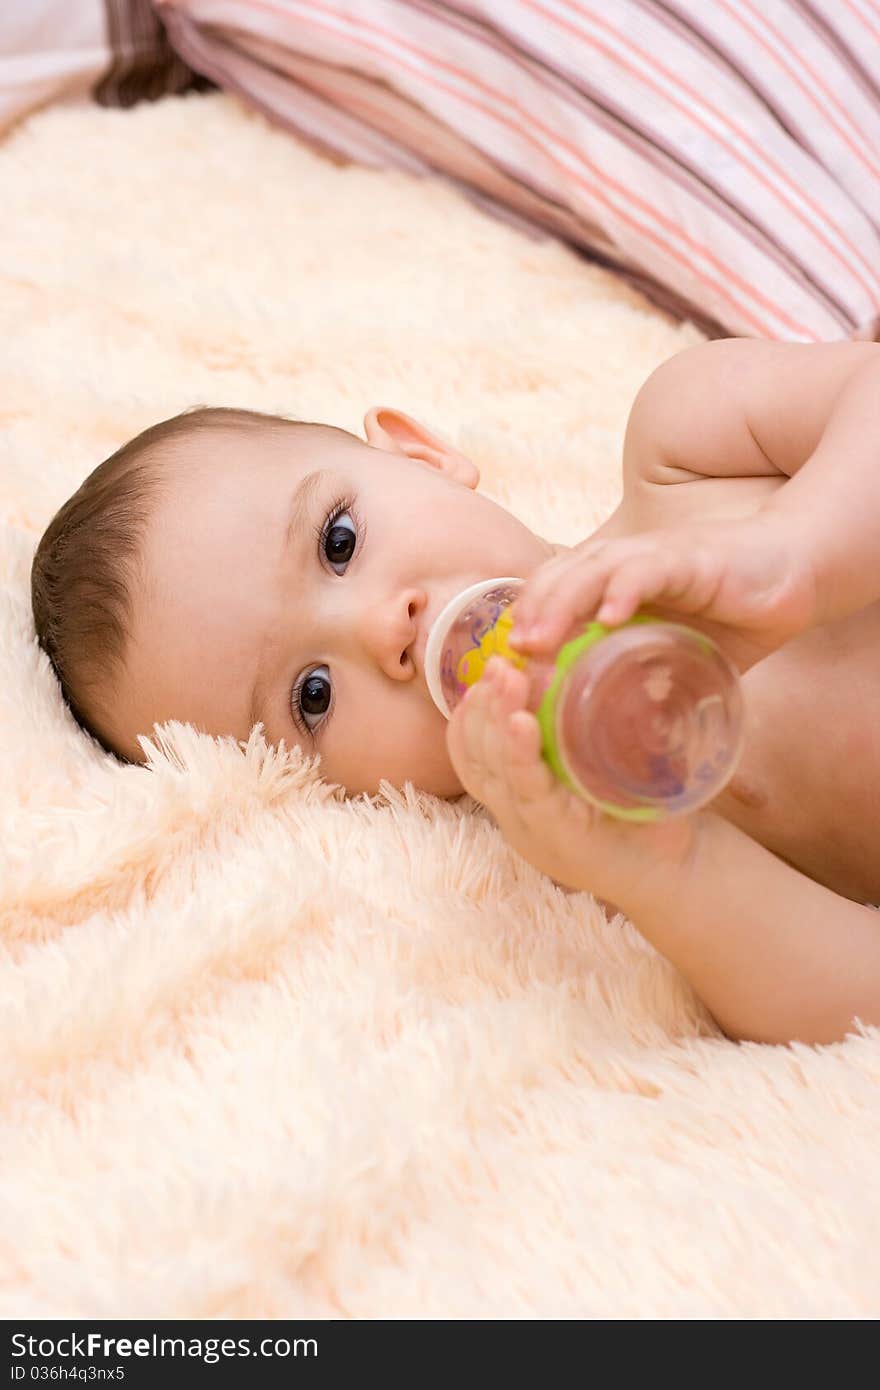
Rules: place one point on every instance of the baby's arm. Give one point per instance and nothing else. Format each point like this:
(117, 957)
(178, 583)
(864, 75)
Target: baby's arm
(774, 956)
(811, 412)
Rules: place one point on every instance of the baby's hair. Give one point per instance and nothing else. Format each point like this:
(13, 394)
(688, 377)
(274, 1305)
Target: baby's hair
(89, 558)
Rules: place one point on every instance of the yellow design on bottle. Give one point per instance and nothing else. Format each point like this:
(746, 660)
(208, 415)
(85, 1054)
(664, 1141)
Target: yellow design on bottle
(493, 643)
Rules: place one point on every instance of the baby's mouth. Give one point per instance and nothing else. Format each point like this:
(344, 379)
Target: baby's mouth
(416, 648)
(415, 652)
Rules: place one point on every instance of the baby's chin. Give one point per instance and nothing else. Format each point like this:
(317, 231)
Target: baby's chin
(444, 795)
(447, 788)
(441, 779)
(436, 776)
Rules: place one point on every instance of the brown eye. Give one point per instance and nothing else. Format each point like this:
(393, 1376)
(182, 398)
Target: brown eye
(339, 540)
(312, 697)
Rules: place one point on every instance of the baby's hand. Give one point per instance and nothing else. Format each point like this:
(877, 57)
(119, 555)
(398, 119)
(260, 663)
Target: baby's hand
(747, 578)
(495, 746)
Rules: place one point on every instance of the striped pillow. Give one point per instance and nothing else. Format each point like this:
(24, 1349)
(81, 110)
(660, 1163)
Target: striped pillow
(723, 154)
(114, 51)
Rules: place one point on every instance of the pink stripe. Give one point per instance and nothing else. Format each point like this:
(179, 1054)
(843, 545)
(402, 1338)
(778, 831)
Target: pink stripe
(731, 148)
(597, 192)
(872, 168)
(875, 33)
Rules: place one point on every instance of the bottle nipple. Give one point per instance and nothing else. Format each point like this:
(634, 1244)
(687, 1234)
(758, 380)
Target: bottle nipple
(494, 642)
(472, 627)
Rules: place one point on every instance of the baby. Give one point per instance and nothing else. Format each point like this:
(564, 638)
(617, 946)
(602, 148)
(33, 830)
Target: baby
(227, 567)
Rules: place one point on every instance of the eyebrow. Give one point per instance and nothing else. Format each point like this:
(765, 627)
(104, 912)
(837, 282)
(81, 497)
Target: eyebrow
(300, 507)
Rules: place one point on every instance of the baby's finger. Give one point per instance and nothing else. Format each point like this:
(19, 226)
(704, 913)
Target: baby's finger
(545, 580)
(513, 739)
(466, 741)
(654, 575)
(528, 775)
(507, 690)
(609, 587)
(635, 582)
(478, 737)
(565, 597)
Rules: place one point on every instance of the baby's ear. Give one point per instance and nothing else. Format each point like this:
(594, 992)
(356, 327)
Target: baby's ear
(397, 433)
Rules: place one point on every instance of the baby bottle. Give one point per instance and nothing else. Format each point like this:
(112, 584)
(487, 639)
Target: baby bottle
(644, 720)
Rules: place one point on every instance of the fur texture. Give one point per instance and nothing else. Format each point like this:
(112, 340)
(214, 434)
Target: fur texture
(270, 1053)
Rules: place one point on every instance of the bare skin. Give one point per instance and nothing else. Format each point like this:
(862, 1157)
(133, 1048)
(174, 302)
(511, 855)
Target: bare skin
(779, 570)
(812, 736)
(751, 509)
(228, 596)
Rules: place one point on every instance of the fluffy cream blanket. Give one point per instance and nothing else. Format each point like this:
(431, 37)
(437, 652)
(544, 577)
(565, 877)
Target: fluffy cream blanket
(270, 1053)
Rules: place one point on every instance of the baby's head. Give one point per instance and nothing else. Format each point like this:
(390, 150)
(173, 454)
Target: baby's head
(226, 567)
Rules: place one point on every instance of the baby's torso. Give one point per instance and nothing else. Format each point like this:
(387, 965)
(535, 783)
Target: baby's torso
(808, 783)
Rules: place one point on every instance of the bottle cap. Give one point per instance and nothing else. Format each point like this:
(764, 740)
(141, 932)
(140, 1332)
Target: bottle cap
(441, 627)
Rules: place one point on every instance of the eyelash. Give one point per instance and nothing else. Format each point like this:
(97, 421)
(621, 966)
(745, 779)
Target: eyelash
(338, 509)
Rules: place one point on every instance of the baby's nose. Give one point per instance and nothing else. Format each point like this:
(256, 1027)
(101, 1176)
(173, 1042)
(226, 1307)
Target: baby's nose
(391, 629)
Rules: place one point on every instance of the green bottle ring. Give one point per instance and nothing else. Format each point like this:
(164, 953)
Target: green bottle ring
(546, 715)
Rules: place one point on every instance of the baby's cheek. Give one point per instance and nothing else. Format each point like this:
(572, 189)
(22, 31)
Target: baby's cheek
(414, 749)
